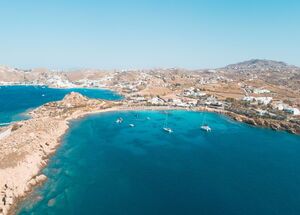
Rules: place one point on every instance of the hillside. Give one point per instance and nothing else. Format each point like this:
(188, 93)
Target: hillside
(260, 65)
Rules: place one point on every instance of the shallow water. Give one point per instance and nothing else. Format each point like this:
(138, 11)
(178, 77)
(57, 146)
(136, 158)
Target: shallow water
(113, 169)
(16, 100)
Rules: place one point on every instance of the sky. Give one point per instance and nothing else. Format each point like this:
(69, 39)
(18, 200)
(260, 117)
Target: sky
(136, 34)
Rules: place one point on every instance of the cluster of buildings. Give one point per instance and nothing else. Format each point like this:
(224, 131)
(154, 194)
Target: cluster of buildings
(58, 82)
(252, 90)
(92, 83)
(213, 79)
(192, 93)
(258, 100)
(131, 87)
(274, 105)
(286, 108)
(187, 99)
(260, 91)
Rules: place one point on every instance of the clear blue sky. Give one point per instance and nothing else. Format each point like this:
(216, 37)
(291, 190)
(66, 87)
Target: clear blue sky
(144, 34)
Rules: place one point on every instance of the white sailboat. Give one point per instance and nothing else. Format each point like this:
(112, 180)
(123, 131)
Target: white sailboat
(205, 127)
(166, 128)
(119, 120)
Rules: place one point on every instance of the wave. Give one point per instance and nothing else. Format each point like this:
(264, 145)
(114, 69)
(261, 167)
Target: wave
(4, 123)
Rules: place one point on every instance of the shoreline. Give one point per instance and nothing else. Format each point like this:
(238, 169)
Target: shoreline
(36, 140)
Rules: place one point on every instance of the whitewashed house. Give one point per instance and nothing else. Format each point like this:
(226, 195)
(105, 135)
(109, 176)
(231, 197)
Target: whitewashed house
(293, 111)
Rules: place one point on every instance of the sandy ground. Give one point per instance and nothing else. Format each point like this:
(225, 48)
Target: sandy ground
(5, 133)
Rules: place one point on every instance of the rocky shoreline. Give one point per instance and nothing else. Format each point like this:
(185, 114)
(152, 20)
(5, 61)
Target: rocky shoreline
(27, 145)
(276, 125)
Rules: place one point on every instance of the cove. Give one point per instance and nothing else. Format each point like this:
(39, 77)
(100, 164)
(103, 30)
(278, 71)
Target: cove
(113, 169)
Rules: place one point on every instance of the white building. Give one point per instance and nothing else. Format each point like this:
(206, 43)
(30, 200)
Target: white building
(259, 100)
(291, 110)
(279, 106)
(156, 101)
(179, 103)
(263, 100)
(248, 99)
(260, 91)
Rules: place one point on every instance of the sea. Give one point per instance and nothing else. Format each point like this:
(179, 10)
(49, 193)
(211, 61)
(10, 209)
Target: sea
(16, 101)
(109, 168)
(136, 168)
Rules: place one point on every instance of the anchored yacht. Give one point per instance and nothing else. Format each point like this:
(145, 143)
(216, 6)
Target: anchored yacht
(169, 130)
(119, 120)
(205, 128)
(166, 128)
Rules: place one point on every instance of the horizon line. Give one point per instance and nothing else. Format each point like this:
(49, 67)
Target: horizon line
(136, 69)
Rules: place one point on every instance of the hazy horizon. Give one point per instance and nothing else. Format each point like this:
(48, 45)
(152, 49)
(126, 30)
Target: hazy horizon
(147, 34)
(133, 69)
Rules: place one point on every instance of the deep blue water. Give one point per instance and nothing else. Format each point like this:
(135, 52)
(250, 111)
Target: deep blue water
(110, 169)
(16, 100)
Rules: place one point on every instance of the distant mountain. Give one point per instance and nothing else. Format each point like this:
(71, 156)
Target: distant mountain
(10, 74)
(260, 65)
(39, 76)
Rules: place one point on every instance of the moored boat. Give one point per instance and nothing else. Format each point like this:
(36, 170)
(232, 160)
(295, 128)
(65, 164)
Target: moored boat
(169, 130)
(205, 128)
(119, 120)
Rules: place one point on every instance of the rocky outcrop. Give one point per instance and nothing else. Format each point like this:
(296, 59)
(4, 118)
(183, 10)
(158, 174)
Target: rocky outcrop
(291, 127)
(73, 103)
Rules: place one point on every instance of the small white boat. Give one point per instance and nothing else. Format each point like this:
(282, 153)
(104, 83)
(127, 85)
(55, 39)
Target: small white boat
(166, 128)
(131, 125)
(43, 95)
(148, 118)
(169, 130)
(205, 128)
(119, 120)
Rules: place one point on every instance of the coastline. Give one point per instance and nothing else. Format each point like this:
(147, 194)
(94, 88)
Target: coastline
(29, 145)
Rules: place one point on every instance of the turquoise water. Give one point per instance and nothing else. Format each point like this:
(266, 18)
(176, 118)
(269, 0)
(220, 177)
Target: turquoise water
(16, 100)
(113, 169)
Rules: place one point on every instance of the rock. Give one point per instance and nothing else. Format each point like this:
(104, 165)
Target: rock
(38, 179)
(51, 202)
(32, 182)
(41, 178)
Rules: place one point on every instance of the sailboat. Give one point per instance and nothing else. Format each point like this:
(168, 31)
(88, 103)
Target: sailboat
(119, 120)
(166, 128)
(205, 127)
